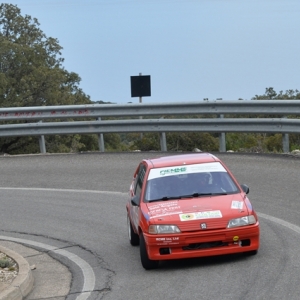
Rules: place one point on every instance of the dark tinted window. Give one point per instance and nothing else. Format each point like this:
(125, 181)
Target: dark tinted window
(139, 180)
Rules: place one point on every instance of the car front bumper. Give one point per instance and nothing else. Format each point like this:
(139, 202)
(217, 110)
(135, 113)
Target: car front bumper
(202, 243)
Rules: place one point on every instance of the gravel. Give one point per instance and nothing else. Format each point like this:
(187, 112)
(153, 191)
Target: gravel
(9, 273)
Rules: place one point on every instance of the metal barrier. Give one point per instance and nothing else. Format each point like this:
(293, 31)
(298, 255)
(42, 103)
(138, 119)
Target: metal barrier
(279, 108)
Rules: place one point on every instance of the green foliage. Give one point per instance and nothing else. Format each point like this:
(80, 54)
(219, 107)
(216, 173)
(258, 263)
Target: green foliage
(187, 141)
(63, 143)
(146, 142)
(239, 141)
(89, 142)
(113, 142)
(294, 141)
(274, 143)
(4, 263)
(184, 141)
(271, 94)
(20, 145)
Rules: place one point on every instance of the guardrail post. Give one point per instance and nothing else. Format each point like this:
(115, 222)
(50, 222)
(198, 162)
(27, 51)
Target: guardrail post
(163, 142)
(285, 141)
(42, 142)
(222, 139)
(101, 140)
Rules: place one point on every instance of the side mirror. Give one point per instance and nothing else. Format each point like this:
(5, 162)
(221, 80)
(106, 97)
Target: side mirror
(135, 200)
(245, 188)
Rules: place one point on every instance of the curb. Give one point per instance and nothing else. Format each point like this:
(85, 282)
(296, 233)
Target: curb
(22, 285)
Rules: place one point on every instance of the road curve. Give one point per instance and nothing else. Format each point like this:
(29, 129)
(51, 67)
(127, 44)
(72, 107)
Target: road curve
(76, 202)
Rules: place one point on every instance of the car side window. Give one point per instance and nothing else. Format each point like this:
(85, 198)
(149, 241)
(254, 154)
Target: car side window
(139, 180)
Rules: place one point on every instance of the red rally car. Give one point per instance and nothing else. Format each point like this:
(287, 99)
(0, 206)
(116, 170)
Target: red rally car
(189, 205)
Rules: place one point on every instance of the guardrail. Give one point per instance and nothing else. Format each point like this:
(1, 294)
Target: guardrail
(221, 125)
(241, 107)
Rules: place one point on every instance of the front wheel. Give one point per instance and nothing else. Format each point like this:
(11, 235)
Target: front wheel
(133, 237)
(147, 263)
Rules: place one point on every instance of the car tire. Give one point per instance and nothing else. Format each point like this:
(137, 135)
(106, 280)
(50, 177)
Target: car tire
(133, 237)
(147, 263)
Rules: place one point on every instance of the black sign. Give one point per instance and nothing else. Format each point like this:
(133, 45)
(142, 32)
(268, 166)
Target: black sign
(140, 86)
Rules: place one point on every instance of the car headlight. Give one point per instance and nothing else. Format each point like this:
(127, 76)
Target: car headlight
(162, 229)
(248, 220)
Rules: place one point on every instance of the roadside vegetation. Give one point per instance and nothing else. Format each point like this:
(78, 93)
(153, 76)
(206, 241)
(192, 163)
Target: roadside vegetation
(32, 74)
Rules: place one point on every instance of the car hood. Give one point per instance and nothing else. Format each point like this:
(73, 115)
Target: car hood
(218, 209)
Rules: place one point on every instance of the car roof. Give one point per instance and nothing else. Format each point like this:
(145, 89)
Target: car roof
(181, 159)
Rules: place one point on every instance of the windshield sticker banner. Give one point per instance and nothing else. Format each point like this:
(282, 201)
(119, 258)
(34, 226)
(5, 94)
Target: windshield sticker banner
(201, 215)
(206, 167)
(186, 169)
(237, 204)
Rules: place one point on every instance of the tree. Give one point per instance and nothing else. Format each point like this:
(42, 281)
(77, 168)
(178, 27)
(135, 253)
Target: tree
(31, 70)
(271, 94)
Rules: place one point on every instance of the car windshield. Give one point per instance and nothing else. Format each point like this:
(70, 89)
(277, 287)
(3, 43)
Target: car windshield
(189, 181)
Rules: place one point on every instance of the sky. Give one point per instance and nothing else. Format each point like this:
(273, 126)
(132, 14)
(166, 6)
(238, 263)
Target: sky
(192, 49)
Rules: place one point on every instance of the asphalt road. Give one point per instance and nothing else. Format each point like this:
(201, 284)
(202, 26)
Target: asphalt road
(77, 202)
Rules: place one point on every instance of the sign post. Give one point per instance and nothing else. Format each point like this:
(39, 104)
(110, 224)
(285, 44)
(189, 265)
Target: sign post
(140, 87)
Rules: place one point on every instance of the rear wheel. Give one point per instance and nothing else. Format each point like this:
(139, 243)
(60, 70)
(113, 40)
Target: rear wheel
(133, 237)
(147, 263)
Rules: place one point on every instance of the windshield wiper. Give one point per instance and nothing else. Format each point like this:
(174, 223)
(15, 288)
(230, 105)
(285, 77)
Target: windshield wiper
(194, 195)
(165, 198)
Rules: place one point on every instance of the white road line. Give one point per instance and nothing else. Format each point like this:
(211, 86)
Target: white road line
(63, 190)
(281, 222)
(88, 273)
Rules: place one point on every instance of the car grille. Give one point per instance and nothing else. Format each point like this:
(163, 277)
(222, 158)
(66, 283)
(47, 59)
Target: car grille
(197, 246)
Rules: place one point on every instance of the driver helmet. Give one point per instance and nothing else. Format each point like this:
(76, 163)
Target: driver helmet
(203, 178)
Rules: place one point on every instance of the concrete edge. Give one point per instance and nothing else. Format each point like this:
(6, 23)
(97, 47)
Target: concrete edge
(22, 285)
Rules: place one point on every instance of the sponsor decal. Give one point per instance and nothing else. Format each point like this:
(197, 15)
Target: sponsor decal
(164, 209)
(237, 204)
(172, 171)
(187, 217)
(173, 240)
(212, 214)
